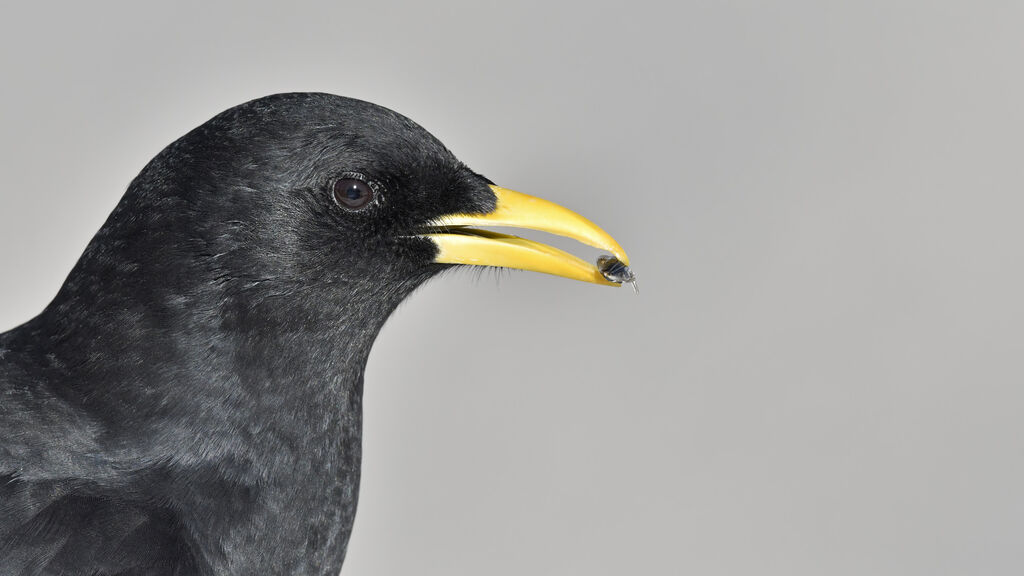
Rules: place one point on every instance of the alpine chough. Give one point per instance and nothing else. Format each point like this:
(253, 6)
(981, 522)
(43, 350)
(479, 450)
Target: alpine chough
(190, 401)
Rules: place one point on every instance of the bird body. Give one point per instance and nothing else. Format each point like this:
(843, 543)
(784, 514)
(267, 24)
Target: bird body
(191, 400)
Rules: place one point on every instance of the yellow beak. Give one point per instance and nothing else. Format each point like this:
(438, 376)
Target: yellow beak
(458, 244)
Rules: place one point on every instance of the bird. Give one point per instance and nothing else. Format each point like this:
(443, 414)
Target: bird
(190, 402)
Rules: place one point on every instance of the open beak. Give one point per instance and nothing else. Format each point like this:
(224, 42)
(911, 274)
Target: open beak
(459, 244)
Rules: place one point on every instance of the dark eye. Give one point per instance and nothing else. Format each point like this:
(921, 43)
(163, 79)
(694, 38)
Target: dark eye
(352, 193)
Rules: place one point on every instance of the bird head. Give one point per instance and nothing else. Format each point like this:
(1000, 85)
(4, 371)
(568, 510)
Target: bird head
(316, 185)
(313, 198)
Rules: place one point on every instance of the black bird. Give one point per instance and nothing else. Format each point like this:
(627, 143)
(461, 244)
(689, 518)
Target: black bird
(190, 402)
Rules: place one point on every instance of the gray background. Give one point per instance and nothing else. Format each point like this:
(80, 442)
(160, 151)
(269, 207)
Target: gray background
(822, 373)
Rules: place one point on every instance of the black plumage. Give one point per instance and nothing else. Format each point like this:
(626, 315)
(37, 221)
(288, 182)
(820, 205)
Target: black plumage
(190, 402)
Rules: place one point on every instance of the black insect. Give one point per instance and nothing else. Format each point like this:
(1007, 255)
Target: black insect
(614, 270)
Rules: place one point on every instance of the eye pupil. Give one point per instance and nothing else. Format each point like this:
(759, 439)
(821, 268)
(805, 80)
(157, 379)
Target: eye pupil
(352, 193)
